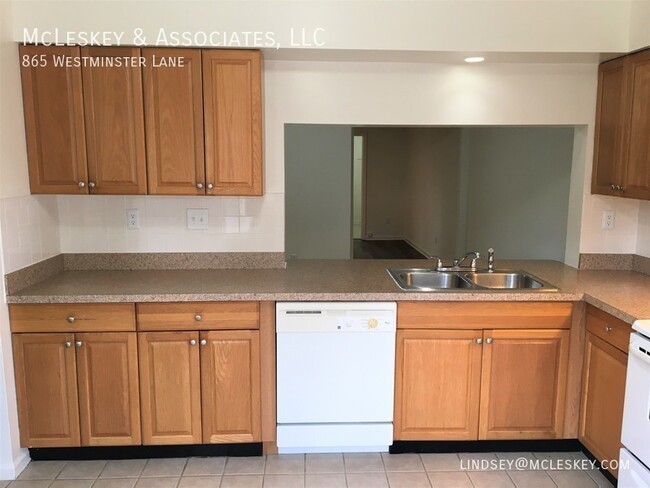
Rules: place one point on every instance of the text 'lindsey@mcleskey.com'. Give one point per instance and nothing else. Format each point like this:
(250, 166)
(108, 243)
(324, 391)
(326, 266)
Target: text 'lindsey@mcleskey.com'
(527, 464)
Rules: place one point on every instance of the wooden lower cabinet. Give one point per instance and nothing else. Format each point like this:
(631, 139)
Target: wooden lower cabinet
(77, 389)
(523, 384)
(603, 393)
(170, 387)
(230, 386)
(200, 388)
(46, 390)
(473, 384)
(438, 374)
(109, 403)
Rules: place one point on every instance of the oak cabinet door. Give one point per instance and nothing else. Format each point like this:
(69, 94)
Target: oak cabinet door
(170, 387)
(637, 155)
(109, 403)
(46, 389)
(173, 101)
(230, 386)
(603, 393)
(114, 121)
(438, 374)
(54, 121)
(232, 94)
(610, 127)
(523, 384)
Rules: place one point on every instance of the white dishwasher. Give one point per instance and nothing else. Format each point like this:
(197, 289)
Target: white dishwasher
(335, 376)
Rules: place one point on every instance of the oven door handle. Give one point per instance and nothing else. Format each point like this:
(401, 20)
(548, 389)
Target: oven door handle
(643, 357)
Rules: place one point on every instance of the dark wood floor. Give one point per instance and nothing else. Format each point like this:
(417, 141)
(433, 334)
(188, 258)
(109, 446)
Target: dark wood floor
(384, 250)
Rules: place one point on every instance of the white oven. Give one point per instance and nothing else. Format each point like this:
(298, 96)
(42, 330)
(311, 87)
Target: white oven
(635, 435)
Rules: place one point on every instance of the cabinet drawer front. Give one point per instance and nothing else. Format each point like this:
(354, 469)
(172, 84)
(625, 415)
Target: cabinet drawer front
(198, 316)
(482, 315)
(74, 317)
(610, 329)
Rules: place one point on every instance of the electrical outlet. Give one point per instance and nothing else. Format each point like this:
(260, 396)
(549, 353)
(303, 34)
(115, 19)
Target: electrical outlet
(608, 220)
(133, 218)
(197, 218)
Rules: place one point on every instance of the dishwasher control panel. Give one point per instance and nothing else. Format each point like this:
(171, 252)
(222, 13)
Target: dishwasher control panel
(336, 317)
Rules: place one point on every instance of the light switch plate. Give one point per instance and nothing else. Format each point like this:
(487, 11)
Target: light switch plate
(197, 218)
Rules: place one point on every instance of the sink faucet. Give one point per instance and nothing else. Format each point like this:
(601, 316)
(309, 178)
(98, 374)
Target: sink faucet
(459, 262)
(490, 259)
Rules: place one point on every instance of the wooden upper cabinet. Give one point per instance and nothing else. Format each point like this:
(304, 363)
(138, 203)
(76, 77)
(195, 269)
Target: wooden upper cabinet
(109, 403)
(523, 384)
(230, 386)
(610, 121)
(46, 390)
(173, 101)
(622, 146)
(437, 384)
(232, 95)
(54, 121)
(637, 147)
(603, 394)
(170, 387)
(114, 122)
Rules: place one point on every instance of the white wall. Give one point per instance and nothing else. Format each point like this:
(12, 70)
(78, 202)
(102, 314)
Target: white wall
(461, 25)
(643, 235)
(98, 224)
(639, 24)
(13, 183)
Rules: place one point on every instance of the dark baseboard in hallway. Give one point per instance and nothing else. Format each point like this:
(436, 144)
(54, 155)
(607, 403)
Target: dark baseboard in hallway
(393, 249)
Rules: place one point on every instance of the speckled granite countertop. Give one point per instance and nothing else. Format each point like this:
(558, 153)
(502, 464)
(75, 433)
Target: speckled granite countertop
(625, 294)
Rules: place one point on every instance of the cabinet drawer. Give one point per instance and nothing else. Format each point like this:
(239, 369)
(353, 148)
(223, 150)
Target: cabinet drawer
(198, 316)
(610, 329)
(73, 317)
(484, 315)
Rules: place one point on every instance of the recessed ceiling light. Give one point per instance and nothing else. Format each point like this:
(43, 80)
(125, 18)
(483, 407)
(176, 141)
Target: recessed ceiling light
(475, 59)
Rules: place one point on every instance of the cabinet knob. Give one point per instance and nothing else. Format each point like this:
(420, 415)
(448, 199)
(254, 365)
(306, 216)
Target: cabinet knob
(612, 186)
(192, 342)
(488, 340)
(198, 317)
(479, 341)
(78, 343)
(199, 185)
(68, 344)
(607, 328)
(71, 319)
(210, 186)
(81, 184)
(620, 188)
(203, 342)
(91, 185)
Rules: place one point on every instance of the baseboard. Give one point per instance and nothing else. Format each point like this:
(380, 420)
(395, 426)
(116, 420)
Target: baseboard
(19, 463)
(552, 445)
(612, 479)
(144, 452)
(383, 238)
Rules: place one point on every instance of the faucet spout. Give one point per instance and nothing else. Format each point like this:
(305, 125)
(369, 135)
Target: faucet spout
(476, 255)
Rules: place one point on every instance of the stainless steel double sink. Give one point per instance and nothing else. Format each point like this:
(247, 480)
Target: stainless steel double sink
(422, 279)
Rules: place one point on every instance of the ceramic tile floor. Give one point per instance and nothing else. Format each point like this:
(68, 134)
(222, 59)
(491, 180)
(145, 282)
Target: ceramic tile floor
(363, 470)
